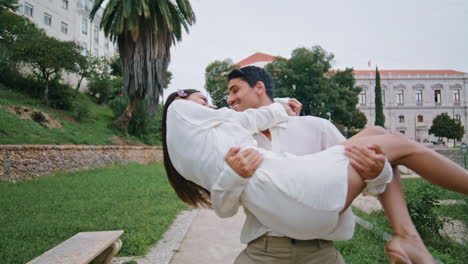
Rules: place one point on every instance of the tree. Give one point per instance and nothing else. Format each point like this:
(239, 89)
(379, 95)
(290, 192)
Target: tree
(379, 115)
(13, 29)
(48, 57)
(344, 102)
(216, 81)
(445, 126)
(307, 76)
(8, 5)
(145, 31)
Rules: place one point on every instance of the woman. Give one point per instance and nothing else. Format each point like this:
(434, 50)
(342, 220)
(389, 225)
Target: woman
(289, 181)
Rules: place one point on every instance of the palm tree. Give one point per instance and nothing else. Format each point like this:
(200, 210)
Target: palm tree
(145, 31)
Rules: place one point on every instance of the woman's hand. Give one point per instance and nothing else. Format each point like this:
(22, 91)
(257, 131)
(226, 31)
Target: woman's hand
(244, 163)
(295, 106)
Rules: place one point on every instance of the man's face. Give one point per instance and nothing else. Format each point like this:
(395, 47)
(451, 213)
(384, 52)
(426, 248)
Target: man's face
(241, 95)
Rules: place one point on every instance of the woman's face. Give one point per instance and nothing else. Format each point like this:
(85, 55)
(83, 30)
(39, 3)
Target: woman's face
(199, 99)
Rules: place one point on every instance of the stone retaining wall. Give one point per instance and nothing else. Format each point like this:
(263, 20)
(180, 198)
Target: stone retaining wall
(19, 162)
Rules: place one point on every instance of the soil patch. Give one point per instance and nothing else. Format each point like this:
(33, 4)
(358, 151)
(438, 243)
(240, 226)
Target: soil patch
(38, 116)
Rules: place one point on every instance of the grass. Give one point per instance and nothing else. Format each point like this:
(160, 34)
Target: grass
(365, 248)
(442, 248)
(92, 131)
(40, 214)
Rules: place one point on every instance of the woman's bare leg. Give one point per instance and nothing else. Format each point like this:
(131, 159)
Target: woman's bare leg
(406, 241)
(430, 165)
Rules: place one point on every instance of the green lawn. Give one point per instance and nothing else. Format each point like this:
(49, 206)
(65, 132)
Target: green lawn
(36, 215)
(93, 131)
(444, 249)
(365, 248)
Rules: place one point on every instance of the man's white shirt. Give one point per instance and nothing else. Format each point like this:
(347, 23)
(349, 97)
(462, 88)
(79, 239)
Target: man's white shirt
(300, 136)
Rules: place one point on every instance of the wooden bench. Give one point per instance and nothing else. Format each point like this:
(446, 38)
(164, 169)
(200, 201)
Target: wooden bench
(84, 247)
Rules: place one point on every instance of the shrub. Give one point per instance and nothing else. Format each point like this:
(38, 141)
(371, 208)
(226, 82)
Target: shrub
(38, 117)
(421, 204)
(142, 125)
(82, 112)
(102, 89)
(61, 96)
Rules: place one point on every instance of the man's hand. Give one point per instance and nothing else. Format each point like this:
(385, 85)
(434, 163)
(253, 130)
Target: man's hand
(368, 162)
(244, 163)
(295, 106)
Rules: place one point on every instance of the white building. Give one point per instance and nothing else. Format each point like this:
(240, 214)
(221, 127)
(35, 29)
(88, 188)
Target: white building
(412, 98)
(68, 20)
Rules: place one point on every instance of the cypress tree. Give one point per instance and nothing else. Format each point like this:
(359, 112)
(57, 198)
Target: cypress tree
(379, 115)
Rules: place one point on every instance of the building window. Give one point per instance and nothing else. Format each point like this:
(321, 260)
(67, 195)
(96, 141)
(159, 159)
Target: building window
(437, 96)
(362, 97)
(419, 97)
(84, 48)
(83, 4)
(64, 28)
(383, 96)
(65, 4)
(400, 97)
(20, 9)
(28, 9)
(401, 118)
(47, 19)
(106, 43)
(96, 34)
(402, 132)
(84, 26)
(458, 118)
(420, 118)
(456, 96)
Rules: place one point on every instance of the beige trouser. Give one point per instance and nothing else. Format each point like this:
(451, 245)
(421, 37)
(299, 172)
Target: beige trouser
(283, 250)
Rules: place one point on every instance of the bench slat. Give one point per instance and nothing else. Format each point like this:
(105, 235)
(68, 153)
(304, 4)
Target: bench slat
(80, 248)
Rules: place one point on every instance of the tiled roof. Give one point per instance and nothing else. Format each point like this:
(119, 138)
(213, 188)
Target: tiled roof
(257, 57)
(407, 72)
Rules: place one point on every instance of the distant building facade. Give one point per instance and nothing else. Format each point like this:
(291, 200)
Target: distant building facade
(68, 20)
(411, 98)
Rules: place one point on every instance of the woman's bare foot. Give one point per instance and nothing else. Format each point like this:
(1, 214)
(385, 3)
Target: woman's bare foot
(408, 250)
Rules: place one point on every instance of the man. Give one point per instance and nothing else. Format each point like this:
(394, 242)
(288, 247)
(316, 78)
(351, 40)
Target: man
(252, 87)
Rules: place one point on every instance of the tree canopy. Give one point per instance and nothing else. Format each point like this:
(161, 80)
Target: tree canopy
(216, 82)
(307, 76)
(145, 31)
(379, 115)
(445, 126)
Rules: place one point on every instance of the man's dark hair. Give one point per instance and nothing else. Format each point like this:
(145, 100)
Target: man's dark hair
(252, 75)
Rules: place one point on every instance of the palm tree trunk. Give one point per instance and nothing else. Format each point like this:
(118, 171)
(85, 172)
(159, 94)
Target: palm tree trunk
(122, 122)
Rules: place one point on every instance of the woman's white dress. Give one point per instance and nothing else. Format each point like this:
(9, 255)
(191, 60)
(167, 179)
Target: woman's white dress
(288, 194)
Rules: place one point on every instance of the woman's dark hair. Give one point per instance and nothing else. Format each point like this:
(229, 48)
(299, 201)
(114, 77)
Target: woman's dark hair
(189, 192)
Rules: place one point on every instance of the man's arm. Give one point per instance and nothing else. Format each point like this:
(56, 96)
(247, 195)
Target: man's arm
(225, 194)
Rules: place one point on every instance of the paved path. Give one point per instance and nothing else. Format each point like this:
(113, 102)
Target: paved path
(211, 240)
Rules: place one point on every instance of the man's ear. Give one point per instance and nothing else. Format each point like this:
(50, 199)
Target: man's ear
(260, 88)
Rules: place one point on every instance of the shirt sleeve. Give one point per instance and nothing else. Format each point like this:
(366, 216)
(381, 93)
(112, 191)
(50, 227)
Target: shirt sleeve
(260, 119)
(254, 120)
(331, 136)
(226, 192)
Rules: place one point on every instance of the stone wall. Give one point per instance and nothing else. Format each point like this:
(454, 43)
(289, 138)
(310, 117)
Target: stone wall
(19, 162)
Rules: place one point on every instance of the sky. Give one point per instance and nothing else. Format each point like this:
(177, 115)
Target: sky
(392, 34)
